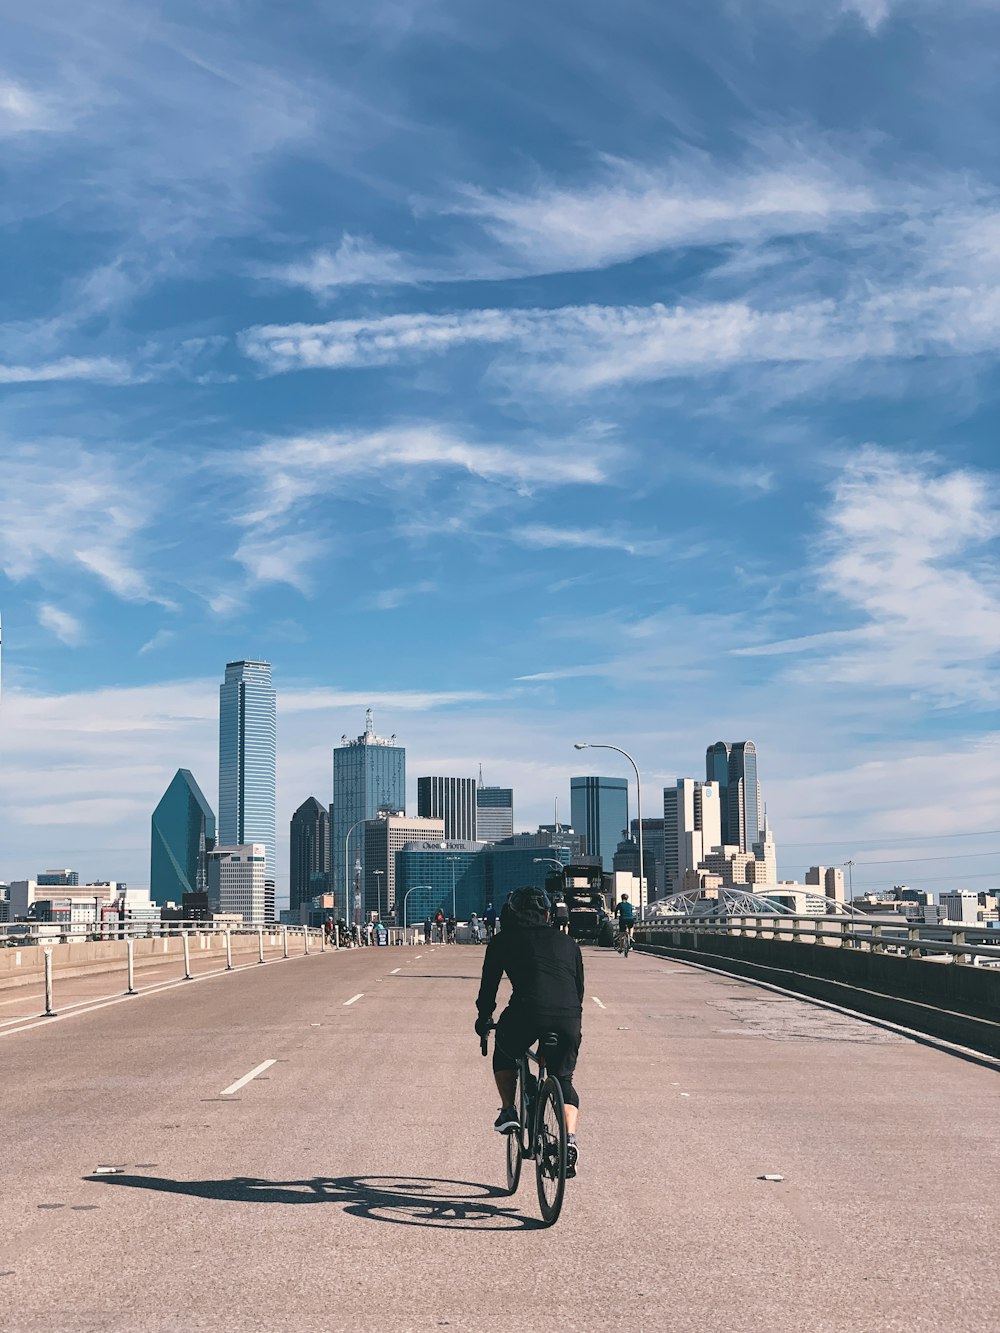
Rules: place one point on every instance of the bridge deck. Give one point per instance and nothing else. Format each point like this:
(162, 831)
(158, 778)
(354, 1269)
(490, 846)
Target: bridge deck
(353, 1183)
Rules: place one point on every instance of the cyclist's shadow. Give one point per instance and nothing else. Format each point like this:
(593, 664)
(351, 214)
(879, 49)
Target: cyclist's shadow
(404, 1200)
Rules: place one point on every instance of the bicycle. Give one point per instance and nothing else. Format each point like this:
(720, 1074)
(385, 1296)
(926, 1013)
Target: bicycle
(541, 1131)
(623, 943)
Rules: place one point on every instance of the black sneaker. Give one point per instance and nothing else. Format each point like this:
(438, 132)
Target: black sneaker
(507, 1121)
(572, 1157)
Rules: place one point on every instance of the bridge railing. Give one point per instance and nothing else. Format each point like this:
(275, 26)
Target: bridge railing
(47, 955)
(962, 945)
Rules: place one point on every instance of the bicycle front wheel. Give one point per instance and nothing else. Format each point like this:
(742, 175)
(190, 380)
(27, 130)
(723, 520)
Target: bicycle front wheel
(550, 1150)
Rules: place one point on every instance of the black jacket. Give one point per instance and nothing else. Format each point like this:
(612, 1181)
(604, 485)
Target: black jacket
(545, 969)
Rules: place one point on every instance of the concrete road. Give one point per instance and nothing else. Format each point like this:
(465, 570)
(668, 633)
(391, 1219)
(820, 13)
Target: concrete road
(354, 1183)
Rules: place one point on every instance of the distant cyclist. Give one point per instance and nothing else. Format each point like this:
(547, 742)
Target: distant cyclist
(490, 917)
(560, 914)
(626, 919)
(545, 969)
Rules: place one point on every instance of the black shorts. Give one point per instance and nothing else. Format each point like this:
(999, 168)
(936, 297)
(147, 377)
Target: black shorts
(516, 1031)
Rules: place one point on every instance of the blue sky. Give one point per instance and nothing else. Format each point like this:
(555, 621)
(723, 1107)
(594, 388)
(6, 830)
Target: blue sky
(559, 373)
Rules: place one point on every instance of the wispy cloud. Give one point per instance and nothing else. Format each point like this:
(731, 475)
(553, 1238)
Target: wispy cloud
(355, 262)
(62, 507)
(633, 210)
(62, 624)
(586, 537)
(159, 640)
(910, 548)
(102, 369)
(388, 599)
(281, 558)
(584, 348)
(292, 470)
(22, 110)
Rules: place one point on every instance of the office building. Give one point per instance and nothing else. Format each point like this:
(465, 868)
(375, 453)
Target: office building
(430, 876)
(369, 775)
(182, 833)
(599, 811)
(766, 855)
(652, 850)
(309, 854)
(248, 760)
(238, 884)
(494, 813)
(691, 828)
(830, 881)
(742, 807)
(51, 879)
(450, 799)
(510, 867)
(383, 838)
(960, 906)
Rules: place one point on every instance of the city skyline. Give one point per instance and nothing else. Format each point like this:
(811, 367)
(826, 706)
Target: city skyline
(653, 406)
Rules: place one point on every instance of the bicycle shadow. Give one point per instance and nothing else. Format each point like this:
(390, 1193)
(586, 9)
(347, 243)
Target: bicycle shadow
(453, 1205)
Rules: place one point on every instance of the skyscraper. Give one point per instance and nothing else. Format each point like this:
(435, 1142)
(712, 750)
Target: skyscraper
(248, 759)
(237, 884)
(599, 810)
(717, 770)
(309, 853)
(369, 775)
(494, 813)
(183, 833)
(734, 766)
(450, 799)
(691, 828)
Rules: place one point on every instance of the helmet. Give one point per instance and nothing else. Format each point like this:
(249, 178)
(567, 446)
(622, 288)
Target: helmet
(528, 906)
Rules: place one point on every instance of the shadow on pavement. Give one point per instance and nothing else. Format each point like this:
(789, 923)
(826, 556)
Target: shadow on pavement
(455, 1205)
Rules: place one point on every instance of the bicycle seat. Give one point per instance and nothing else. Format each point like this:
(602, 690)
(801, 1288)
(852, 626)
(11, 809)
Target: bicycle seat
(549, 1039)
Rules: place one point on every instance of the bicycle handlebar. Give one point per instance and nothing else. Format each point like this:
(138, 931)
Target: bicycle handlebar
(482, 1039)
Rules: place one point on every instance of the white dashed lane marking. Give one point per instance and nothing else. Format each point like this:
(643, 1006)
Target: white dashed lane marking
(394, 971)
(597, 1001)
(353, 999)
(242, 1082)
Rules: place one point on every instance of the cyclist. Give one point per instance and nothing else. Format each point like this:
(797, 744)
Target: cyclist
(545, 968)
(626, 918)
(490, 917)
(560, 914)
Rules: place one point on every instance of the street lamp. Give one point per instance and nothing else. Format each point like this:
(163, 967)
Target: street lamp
(453, 859)
(348, 912)
(551, 860)
(428, 887)
(595, 745)
(378, 894)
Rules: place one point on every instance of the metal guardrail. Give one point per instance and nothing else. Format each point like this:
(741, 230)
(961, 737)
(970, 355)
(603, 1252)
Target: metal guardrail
(968, 946)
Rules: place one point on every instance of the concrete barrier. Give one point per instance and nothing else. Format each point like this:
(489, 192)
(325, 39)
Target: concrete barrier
(24, 966)
(957, 1003)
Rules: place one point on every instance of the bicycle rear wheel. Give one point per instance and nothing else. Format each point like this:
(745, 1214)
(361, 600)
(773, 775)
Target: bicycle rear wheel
(550, 1150)
(516, 1141)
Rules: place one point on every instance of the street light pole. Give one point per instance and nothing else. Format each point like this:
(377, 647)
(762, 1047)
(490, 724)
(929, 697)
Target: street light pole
(378, 894)
(406, 895)
(594, 745)
(347, 873)
(453, 859)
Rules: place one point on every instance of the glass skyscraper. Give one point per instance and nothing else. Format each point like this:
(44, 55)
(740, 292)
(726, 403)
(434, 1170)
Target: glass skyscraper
(494, 813)
(734, 766)
(248, 759)
(599, 810)
(369, 775)
(309, 853)
(450, 799)
(183, 833)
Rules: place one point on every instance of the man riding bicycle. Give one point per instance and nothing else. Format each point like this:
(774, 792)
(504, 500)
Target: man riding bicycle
(626, 919)
(545, 969)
